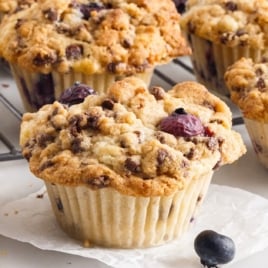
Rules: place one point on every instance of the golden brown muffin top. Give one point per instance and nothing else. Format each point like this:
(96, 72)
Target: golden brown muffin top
(232, 23)
(10, 6)
(123, 139)
(248, 84)
(122, 37)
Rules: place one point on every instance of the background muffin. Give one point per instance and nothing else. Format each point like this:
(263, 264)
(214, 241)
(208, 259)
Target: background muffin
(221, 32)
(52, 44)
(248, 84)
(129, 168)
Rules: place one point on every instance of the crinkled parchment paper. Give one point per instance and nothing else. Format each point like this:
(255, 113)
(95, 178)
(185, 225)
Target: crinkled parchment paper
(230, 211)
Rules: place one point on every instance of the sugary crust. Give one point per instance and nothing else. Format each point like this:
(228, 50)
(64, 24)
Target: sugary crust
(114, 140)
(233, 23)
(248, 84)
(122, 37)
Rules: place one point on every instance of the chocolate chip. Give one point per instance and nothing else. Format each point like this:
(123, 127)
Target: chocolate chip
(160, 136)
(99, 182)
(43, 139)
(240, 32)
(86, 9)
(260, 83)
(46, 165)
(74, 52)
(108, 104)
(75, 127)
(50, 14)
(190, 155)
(161, 156)
(41, 60)
(231, 6)
(76, 145)
(93, 121)
(158, 92)
(259, 72)
(111, 67)
(126, 43)
(132, 166)
(18, 23)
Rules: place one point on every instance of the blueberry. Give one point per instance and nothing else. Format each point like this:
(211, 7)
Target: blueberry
(214, 248)
(76, 94)
(180, 5)
(179, 123)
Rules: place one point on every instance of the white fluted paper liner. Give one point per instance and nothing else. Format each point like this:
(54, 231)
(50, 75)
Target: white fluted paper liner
(230, 211)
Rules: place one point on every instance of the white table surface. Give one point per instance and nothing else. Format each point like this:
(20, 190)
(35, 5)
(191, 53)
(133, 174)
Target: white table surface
(17, 181)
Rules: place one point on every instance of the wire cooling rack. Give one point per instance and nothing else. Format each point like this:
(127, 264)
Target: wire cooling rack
(166, 75)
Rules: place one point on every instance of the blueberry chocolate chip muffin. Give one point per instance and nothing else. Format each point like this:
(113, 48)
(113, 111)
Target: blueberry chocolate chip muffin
(221, 32)
(52, 44)
(129, 168)
(248, 84)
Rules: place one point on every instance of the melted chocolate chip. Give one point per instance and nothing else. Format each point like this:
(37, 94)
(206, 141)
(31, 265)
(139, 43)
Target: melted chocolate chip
(231, 6)
(76, 145)
(86, 9)
(50, 14)
(44, 139)
(76, 94)
(161, 156)
(108, 104)
(99, 182)
(260, 83)
(180, 111)
(74, 52)
(41, 60)
(111, 67)
(132, 166)
(46, 165)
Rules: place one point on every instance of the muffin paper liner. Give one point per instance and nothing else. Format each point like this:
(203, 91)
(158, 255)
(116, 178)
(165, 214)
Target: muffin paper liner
(231, 211)
(38, 89)
(210, 61)
(258, 133)
(107, 218)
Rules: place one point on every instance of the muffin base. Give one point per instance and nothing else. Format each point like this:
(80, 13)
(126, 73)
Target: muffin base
(107, 218)
(38, 89)
(258, 133)
(210, 61)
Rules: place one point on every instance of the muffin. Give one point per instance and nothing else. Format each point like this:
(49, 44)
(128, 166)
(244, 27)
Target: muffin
(221, 32)
(248, 84)
(129, 168)
(55, 43)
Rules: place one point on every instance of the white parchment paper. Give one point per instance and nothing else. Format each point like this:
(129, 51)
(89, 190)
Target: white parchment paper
(239, 214)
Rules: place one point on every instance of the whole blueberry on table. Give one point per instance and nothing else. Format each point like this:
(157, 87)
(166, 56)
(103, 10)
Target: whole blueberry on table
(214, 248)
